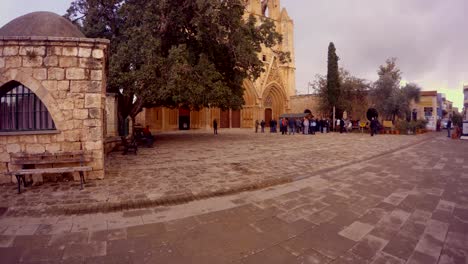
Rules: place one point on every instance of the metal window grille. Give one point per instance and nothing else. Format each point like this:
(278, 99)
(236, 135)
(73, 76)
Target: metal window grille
(22, 110)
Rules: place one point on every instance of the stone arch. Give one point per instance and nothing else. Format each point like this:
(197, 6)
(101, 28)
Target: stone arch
(250, 94)
(38, 89)
(278, 99)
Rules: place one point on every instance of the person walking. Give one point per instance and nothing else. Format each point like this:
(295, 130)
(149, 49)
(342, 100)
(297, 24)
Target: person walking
(342, 125)
(262, 125)
(256, 126)
(449, 126)
(215, 126)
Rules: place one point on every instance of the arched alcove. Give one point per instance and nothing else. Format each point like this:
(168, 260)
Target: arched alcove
(274, 98)
(22, 110)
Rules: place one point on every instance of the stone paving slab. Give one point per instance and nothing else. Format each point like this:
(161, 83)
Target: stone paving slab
(357, 223)
(186, 166)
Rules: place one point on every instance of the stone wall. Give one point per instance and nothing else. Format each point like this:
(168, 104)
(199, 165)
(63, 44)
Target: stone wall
(299, 103)
(68, 76)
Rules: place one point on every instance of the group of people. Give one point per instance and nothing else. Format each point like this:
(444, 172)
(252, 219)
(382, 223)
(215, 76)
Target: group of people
(293, 125)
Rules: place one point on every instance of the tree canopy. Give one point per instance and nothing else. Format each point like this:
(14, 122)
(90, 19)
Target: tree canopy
(191, 53)
(389, 98)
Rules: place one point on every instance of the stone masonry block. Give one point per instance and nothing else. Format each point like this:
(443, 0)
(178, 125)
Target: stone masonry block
(53, 147)
(75, 74)
(63, 85)
(98, 54)
(51, 61)
(80, 114)
(30, 50)
(95, 133)
(56, 73)
(67, 104)
(84, 52)
(67, 125)
(54, 50)
(10, 51)
(79, 103)
(40, 74)
(70, 51)
(95, 87)
(2, 62)
(92, 122)
(72, 135)
(92, 100)
(13, 148)
(95, 113)
(79, 86)
(90, 63)
(68, 62)
(50, 85)
(12, 62)
(93, 145)
(71, 146)
(28, 139)
(1, 51)
(35, 148)
(46, 139)
(67, 114)
(96, 75)
(32, 61)
(4, 157)
(78, 124)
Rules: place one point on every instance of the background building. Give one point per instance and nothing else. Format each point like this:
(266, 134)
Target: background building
(52, 90)
(266, 98)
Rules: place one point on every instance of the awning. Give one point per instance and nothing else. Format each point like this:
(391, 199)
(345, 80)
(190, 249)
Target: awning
(300, 115)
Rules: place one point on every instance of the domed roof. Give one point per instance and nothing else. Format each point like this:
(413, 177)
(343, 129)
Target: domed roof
(44, 24)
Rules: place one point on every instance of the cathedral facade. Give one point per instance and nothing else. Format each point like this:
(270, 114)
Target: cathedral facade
(265, 98)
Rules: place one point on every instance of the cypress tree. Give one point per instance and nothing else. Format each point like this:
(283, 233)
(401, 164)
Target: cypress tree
(333, 82)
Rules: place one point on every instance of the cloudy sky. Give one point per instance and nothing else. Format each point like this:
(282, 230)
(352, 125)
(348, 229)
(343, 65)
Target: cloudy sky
(428, 37)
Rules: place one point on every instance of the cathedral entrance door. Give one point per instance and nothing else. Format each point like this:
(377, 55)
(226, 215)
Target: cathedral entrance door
(268, 114)
(236, 118)
(224, 122)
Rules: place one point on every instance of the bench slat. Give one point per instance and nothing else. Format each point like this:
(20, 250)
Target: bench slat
(49, 161)
(51, 170)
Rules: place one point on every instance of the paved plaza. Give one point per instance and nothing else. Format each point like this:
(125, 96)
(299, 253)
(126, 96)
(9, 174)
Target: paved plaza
(350, 199)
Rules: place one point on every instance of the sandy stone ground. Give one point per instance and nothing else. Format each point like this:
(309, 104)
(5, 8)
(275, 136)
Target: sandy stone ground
(199, 164)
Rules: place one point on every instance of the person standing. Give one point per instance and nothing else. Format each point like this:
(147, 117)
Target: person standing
(292, 126)
(215, 126)
(256, 126)
(449, 126)
(306, 126)
(262, 125)
(342, 125)
(373, 126)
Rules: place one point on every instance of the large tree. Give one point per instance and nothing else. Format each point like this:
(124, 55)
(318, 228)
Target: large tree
(173, 53)
(388, 97)
(333, 92)
(353, 94)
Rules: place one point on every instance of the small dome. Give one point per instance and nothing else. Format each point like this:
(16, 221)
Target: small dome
(43, 24)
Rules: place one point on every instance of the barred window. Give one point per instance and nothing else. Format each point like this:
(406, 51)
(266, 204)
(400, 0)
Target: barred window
(22, 110)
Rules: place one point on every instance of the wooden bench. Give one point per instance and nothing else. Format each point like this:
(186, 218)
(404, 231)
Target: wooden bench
(61, 162)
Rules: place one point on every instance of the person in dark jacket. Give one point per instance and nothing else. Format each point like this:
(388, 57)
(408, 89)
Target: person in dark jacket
(449, 126)
(292, 126)
(262, 125)
(342, 125)
(215, 127)
(373, 127)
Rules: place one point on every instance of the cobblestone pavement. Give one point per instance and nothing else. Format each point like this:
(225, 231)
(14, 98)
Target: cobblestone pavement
(191, 165)
(408, 206)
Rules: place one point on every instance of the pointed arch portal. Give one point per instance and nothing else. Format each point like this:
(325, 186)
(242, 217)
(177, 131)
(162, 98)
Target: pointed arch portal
(22, 110)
